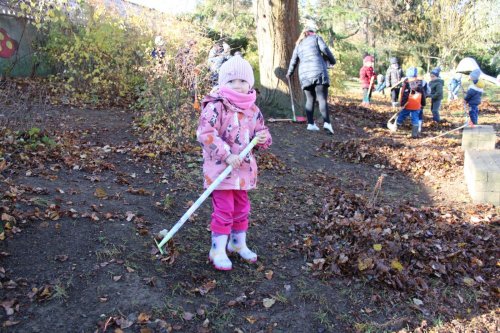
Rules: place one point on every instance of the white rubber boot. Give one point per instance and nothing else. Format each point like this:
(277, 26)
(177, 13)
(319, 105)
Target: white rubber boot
(217, 255)
(328, 127)
(238, 244)
(419, 126)
(312, 127)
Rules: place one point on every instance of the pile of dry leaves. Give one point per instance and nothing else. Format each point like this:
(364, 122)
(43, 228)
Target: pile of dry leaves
(387, 153)
(409, 249)
(269, 161)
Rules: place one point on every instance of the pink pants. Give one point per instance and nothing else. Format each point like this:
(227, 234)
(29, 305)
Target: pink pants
(231, 209)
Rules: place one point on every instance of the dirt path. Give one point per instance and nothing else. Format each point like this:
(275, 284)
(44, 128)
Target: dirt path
(83, 260)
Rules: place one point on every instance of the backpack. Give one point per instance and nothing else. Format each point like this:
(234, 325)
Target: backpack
(414, 101)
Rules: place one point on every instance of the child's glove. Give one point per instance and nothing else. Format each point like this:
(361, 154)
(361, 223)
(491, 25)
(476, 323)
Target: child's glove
(234, 161)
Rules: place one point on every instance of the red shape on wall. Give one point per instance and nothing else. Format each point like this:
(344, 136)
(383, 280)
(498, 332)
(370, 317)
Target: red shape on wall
(8, 46)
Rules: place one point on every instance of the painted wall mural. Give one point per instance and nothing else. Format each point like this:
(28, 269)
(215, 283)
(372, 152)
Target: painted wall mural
(8, 45)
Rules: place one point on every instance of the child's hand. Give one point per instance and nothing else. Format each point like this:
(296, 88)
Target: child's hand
(261, 138)
(234, 161)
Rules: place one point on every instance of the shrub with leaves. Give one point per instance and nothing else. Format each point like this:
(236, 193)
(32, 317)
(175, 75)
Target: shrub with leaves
(171, 85)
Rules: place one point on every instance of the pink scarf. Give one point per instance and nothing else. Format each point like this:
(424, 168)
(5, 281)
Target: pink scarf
(242, 101)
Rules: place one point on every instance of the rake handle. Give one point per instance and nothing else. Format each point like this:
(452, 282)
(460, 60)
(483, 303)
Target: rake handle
(202, 198)
(291, 98)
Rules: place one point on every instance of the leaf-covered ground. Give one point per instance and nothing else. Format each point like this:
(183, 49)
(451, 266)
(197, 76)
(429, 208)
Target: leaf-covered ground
(363, 231)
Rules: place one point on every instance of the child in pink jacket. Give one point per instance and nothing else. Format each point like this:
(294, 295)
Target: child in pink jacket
(229, 121)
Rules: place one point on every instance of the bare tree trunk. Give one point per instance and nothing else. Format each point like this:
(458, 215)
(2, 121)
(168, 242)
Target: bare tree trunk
(277, 31)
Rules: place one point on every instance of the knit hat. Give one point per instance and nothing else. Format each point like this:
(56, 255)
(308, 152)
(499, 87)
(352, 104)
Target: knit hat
(310, 25)
(436, 71)
(236, 68)
(368, 58)
(474, 75)
(393, 60)
(411, 72)
(311, 28)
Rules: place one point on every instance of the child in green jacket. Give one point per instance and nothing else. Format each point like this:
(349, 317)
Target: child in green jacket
(436, 95)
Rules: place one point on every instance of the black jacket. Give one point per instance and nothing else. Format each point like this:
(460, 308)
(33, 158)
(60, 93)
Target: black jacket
(312, 66)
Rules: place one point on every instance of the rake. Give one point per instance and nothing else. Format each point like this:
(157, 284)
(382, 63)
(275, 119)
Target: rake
(294, 119)
(166, 234)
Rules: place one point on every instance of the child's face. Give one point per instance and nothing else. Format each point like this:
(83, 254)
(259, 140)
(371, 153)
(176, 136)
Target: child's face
(433, 77)
(369, 64)
(240, 86)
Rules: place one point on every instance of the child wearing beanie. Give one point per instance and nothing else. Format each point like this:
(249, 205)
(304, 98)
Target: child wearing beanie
(412, 101)
(393, 78)
(228, 122)
(473, 96)
(366, 77)
(436, 86)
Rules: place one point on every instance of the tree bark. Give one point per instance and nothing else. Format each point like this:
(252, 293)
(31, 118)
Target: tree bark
(277, 31)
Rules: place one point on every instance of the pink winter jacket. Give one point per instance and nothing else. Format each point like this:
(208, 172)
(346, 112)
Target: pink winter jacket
(225, 129)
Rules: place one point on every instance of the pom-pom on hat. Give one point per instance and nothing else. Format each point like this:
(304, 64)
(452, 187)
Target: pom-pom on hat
(411, 72)
(436, 71)
(474, 75)
(236, 68)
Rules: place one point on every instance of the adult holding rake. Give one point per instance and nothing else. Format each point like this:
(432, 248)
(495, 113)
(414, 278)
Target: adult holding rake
(309, 54)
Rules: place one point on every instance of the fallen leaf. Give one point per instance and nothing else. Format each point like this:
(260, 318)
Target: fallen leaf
(269, 274)
(377, 247)
(100, 193)
(364, 264)
(251, 319)
(8, 306)
(188, 316)
(46, 292)
(395, 264)
(117, 278)
(3, 165)
(343, 258)
(124, 323)
(268, 302)
(130, 216)
(417, 302)
(204, 289)
(61, 257)
(143, 317)
(8, 218)
(8, 323)
(469, 282)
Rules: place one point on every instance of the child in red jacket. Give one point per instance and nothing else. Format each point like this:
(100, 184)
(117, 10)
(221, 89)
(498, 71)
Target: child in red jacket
(366, 78)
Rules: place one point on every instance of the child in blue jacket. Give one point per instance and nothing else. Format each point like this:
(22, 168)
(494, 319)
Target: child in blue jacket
(454, 87)
(473, 96)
